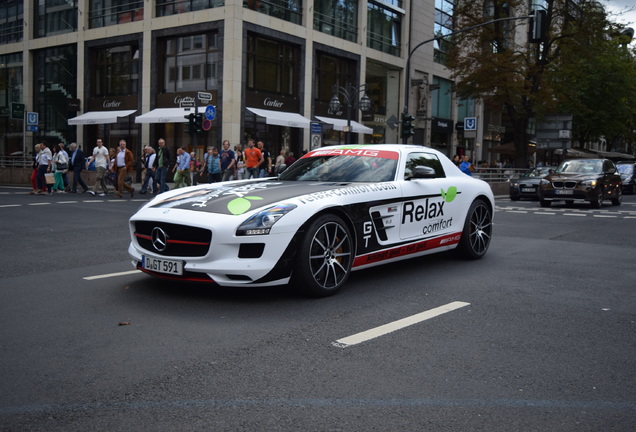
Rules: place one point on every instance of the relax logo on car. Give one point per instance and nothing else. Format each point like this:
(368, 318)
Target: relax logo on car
(426, 216)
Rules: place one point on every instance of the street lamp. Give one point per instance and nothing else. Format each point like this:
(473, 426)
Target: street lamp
(350, 94)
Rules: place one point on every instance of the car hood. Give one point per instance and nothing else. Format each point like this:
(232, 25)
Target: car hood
(572, 177)
(236, 198)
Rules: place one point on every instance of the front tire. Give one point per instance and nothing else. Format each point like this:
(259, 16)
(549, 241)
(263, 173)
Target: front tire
(597, 202)
(477, 231)
(619, 197)
(325, 257)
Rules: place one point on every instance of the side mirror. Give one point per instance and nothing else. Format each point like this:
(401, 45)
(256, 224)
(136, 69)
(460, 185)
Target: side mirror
(420, 171)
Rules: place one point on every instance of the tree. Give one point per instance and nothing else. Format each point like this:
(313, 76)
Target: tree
(497, 63)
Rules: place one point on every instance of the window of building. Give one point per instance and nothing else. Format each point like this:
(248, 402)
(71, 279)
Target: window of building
(443, 26)
(104, 13)
(442, 98)
(54, 82)
(11, 130)
(55, 17)
(272, 66)
(11, 21)
(116, 71)
(465, 108)
(330, 71)
(173, 7)
(190, 63)
(288, 10)
(337, 18)
(384, 27)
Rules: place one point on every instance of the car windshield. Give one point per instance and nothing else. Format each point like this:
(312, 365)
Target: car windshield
(581, 167)
(537, 172)
(343, 166)
(625, 168)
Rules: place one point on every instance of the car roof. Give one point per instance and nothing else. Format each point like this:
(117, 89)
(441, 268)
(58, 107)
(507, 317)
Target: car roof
(401, 148)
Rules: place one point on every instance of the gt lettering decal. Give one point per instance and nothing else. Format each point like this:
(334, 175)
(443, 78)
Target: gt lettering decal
(412, 248)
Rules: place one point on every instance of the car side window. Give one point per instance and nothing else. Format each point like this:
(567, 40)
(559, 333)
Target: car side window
(423, 159)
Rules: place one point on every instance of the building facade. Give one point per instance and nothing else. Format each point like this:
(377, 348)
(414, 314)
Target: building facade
(127, 69)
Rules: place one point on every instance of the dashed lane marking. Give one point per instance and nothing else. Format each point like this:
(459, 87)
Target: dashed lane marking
(110, 275)
(397, 325)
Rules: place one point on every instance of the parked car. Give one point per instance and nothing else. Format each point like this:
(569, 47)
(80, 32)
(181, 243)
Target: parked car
(627, 171)
(591, 180)
(335, 210)
(527, 185)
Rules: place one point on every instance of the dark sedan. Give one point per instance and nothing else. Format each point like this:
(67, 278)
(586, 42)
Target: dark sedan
(578, 180)
(527, 185)
(627, 171)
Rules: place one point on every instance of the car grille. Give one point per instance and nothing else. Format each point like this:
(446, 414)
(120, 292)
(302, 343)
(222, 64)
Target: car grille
(564, 184)
(172, 239)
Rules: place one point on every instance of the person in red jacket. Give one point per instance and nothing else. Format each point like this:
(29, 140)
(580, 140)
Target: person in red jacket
(123, 165)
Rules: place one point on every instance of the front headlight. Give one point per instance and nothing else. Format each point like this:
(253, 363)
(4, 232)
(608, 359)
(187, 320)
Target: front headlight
(591, 183)
(261, 223)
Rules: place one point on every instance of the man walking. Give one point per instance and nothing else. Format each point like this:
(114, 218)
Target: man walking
(161, 165)
(265, 166)
(253, 158)
(77, 165)
(123, 166)
(228, 162)
(182, 176)
(100, 157)
(45, 160)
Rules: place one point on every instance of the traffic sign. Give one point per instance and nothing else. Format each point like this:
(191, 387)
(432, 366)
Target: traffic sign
(210, 112)
(204, 96)
(32, 121)
(470, 124)
(206, 124)
(17, 111)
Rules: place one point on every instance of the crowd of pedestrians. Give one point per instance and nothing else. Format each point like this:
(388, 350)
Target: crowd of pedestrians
(115, 166)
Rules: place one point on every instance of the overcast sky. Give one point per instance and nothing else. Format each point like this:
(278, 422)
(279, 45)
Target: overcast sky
(628, 7)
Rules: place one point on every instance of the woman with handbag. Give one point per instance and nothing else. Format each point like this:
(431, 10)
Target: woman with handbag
(60, 166)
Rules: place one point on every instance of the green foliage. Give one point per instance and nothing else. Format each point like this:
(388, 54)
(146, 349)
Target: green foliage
(579, 69)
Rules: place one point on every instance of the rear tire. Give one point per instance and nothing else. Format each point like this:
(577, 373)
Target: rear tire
(477, 232)
(325, 257)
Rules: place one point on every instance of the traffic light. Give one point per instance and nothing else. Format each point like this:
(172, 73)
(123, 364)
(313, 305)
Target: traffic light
(191, 126)
(538, 26)
(407, 126)
(198, 122)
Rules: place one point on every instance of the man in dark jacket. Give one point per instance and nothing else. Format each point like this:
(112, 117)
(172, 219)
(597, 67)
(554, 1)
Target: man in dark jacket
(161, 165)
(77, 162)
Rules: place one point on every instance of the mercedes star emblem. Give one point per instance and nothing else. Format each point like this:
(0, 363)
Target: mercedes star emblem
(159, 239)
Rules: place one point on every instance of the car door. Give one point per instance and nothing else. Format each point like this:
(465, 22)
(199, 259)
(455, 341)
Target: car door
(431, 207)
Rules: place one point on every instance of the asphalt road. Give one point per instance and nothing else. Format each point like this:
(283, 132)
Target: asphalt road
(544, 338)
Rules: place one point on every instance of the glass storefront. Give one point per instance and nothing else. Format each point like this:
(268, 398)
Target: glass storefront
(54, 82)
(11, 88)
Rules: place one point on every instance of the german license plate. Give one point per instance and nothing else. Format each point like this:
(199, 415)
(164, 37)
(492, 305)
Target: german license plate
(527, 189)
(161, 265)
(564, 192)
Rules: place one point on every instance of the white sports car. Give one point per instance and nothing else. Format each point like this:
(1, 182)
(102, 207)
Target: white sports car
(335, 210)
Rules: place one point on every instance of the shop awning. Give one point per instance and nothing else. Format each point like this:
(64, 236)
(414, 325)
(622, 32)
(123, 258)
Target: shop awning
(99, 117)
(166, 115)
(340, 124)
(282, 118)
(613, 154)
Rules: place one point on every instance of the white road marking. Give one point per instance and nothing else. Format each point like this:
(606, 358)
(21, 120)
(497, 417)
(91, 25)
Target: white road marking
(574, 214)
(606, 216)
(11, 205)
(544, 213)
(39, 204)
(397, 325)
(109, 275)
